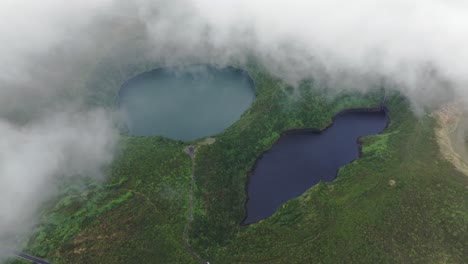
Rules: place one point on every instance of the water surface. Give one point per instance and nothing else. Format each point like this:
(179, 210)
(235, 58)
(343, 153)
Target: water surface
(185, 103)
(300, 159)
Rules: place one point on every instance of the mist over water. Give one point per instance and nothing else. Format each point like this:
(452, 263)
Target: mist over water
(185, 103)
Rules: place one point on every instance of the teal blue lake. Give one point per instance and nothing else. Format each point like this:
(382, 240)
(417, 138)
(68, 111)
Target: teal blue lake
(185, 103)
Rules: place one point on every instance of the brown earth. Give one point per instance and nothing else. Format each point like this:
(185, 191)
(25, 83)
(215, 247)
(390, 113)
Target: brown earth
(448, 118)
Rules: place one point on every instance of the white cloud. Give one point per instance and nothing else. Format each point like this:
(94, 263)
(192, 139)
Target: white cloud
(48, 48)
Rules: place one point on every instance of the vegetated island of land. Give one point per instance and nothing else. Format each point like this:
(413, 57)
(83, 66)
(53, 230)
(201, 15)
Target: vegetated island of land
(402, 201)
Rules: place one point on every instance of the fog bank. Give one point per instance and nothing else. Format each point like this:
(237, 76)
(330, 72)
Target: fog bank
(52, 49)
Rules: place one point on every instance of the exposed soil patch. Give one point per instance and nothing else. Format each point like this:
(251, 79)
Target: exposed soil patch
(449, 117)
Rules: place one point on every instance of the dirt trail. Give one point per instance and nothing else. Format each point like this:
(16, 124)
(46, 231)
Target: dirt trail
(449, 117)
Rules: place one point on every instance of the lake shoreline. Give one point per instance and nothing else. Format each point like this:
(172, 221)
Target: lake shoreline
(315, 131)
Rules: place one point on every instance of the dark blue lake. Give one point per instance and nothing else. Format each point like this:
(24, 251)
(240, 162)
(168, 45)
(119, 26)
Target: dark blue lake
(185, 103)
(302, 158)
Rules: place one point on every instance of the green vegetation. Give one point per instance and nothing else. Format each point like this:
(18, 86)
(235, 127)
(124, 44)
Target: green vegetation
(136, 218)
(400, 202)
(275, 110)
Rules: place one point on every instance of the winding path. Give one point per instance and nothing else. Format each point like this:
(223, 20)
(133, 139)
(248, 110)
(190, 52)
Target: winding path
(190, 151)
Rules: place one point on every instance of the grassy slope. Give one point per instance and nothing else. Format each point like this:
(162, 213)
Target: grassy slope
(221, 168)
(360, 218)
(139, 218)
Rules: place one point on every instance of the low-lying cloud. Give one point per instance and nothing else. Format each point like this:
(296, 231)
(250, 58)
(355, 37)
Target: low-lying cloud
(34, 155)
(51, 49)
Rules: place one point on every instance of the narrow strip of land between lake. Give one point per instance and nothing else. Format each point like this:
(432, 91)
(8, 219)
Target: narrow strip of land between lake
(190, 151)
